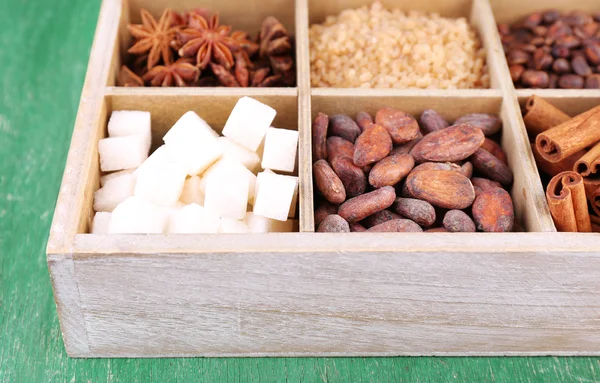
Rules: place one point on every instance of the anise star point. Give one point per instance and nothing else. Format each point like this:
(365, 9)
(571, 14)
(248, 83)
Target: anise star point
(154, 37)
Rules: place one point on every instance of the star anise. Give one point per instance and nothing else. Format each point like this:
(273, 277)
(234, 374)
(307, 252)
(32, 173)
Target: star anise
(243, 77)
(208, 41)
(180, 73)
(274, 38)
(128, 78)
(154, 37)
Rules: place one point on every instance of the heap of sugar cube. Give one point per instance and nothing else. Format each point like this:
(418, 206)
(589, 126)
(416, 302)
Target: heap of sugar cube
(198, 181)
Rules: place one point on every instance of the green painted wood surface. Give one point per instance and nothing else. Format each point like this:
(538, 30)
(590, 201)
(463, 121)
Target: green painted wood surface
(44, 47)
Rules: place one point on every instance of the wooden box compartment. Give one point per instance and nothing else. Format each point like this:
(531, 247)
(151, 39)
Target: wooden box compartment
(307, 294)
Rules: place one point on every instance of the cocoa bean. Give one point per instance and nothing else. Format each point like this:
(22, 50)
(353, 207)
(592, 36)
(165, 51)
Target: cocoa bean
(456, 221)
(396, 226)
(437, 166)
(338, 147)
(352, 177)
(422, 212)
(357, 228)
(569, 42)
(484, 183)
(592, 52)
(359, 208)
(466, 169)
(437, 230)
(401, 126)
(319, 137)
(441, 188)
(535, 79)
(560, 52)
(580, 66)
(452, 144)
(328, 183)
(432, 121)
(491, 167)
(380, 217)
(488, 123)
(493, 211)
(550, 16)
(516, 70)
(533, 20)
(334, 224)
(324, 209)
(517, 57)
(561, 65)
(372, 145)
(592, 81)
(343, 126)
(391, 170)
(492, 147)
(559, 30)
(405, 148)
(542, 60)
(363, 119)
(570, 81)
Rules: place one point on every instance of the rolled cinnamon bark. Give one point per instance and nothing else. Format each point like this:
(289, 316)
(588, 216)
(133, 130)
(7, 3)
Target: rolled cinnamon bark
(589, 162)
(553, 169)
(540, 115)
(595, 219)
(595, 228)
(594, 198)
(571, 136)
(567, 202)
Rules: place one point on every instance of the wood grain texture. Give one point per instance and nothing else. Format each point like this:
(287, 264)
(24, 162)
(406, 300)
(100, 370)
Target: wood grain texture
(31, 165)
(357, 302)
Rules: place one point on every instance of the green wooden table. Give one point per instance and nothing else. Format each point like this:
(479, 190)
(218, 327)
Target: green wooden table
(44, 48)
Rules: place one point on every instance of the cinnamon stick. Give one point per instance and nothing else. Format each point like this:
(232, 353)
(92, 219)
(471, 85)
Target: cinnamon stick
(591, 184)
(595, 219)
(594, 198)
(589, 163)
(540, 115)
(553, 169)
(567, 202)
(571, 136)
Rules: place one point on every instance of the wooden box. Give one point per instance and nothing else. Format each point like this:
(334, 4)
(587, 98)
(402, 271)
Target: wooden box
(308, 294)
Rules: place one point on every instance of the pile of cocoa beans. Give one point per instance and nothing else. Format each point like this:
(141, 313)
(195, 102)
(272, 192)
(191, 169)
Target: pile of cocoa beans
(553, 50)
(393, 175)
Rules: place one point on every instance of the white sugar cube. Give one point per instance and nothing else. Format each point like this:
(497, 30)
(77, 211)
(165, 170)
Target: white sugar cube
(130, 123)
(191, 191)
(257, 223)
(283, 226)
(235, 151)
(114, 191)
(101, 222)
(292, 212)
(160, 179)
(226, 190)
(118, 153)
(281, 146)
(194, 143)
(194, 218)
(137, 215)
(248, 122)
(189, 125)
(112, 175)
(257, 183)
(229, 225)
(274, 195)
(230, 162)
